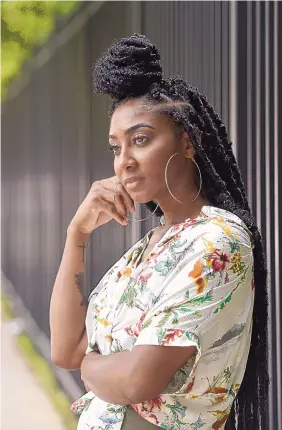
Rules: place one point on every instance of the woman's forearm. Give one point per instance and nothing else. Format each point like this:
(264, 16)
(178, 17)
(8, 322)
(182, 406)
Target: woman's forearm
(108, 376)
(68, 301)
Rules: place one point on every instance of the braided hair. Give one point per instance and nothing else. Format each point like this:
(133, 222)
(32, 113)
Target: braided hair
(131, 68)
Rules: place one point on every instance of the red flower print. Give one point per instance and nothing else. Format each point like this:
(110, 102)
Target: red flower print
(135, 329)
(191, 222)
(154, 419)
(152, 404)
(76, 404)
(145, 277)
(141, 410)
(140, 323)
(219, 260)
(170, 335)
(149, 406)
(131, 331)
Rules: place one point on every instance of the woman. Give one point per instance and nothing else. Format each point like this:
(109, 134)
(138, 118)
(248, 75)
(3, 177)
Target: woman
(175, 335)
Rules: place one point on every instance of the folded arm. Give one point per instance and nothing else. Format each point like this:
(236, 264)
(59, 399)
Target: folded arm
(135, 376)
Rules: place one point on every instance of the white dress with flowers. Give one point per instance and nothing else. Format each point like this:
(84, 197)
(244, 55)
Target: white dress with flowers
(196, 287)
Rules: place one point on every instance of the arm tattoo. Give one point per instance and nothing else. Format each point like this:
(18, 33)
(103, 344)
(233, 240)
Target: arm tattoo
(80, 284)
(80, 281)
(84, 247)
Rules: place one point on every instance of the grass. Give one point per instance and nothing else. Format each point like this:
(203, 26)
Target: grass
(42, 371)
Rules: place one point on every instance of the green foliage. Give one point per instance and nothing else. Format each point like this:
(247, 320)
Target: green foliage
(41, 370)
(25, 25)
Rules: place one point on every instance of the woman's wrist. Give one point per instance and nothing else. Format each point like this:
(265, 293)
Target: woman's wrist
(73, 232)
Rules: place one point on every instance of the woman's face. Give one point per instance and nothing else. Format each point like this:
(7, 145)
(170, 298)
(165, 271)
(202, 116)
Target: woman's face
(142, 142)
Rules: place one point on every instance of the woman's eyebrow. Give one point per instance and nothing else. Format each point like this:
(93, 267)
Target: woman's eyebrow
(134, 127)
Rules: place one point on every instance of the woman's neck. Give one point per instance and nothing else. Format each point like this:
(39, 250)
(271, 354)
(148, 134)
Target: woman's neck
(171, 218)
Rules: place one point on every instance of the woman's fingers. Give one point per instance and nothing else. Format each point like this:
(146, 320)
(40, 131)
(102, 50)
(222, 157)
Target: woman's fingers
(126, 197)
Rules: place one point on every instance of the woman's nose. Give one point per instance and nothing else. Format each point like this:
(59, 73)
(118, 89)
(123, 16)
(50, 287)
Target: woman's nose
(126, 158)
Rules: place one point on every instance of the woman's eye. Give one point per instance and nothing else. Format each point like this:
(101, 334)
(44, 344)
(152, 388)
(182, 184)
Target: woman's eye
(140, 139)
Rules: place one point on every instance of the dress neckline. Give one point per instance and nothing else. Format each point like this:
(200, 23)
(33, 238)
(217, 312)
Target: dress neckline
(174, 229)
(202, 212)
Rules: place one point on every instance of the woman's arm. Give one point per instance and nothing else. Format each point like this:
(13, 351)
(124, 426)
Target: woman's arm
(68, 304)
(134, 376)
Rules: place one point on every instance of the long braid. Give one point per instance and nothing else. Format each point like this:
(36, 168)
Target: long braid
(131, 69)
(228, 147)
(223, 144)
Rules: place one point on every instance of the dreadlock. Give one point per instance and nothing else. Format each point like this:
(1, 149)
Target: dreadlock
(131, 68)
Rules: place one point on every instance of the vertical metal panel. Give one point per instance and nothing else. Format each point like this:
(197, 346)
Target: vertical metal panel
(241, 89)
(277, 214)
(259, 155)
(268, 194)
(217, 81)
(258, 107)
(223, 67)
(249, 94)
(233, 56)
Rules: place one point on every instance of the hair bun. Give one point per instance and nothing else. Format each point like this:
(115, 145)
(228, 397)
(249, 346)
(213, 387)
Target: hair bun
(128, 68)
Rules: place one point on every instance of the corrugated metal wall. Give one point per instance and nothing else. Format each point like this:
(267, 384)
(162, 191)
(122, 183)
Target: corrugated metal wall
(259, 125)
(55, 132)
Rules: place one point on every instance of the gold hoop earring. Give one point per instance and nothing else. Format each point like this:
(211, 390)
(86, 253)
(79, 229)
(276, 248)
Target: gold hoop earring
(201, 181)
(166, 179)
(199, 174)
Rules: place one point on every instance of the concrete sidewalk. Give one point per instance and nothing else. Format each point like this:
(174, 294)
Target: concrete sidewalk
(24, 404)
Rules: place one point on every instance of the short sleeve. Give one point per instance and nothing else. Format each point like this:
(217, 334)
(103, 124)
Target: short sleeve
(98, 296)
(209, 292)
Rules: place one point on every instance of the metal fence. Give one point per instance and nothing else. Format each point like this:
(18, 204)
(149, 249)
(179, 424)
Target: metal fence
(54, 135)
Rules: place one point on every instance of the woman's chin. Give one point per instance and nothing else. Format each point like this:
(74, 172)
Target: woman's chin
(141, 199)
(140, 196)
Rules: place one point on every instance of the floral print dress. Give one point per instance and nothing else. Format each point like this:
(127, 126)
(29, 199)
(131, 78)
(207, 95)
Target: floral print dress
(196, 287)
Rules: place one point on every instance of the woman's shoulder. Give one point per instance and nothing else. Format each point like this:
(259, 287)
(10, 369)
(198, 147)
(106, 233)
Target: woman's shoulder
(215, 212)
(218, 223)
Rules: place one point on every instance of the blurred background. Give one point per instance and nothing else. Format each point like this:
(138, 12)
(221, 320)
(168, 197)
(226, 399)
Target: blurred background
(54, 137)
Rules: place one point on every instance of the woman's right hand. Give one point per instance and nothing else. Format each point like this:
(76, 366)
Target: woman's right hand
(99, 207)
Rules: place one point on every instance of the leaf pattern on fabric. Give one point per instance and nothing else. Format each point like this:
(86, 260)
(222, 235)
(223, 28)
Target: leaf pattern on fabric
(163, 267)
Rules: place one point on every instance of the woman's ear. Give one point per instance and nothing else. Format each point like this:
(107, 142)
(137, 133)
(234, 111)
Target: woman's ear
(188, 147)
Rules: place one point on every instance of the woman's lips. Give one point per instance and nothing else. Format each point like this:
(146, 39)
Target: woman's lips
(135, 184)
